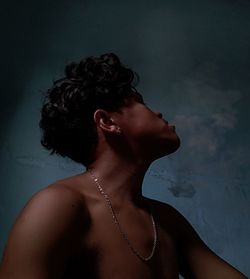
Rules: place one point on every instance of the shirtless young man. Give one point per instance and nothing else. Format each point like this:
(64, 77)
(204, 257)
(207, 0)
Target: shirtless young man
(97, 224)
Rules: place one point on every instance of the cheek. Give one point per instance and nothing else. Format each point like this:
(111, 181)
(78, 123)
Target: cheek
(139, 124)
(135, 130)
(147, 128)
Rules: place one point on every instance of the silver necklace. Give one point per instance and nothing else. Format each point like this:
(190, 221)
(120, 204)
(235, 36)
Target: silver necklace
(145, 259)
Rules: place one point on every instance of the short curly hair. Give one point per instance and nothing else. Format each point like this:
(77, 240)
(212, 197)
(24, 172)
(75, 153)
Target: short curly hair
(67, 124)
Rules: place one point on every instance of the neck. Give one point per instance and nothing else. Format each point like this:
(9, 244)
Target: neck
(121, 180)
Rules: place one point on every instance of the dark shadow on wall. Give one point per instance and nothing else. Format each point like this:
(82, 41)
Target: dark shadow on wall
(26, 32)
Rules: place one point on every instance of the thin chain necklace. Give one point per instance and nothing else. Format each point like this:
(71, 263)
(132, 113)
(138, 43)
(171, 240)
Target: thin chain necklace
(145, 259)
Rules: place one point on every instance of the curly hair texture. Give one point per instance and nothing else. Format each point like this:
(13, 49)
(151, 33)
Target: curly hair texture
(67, 124)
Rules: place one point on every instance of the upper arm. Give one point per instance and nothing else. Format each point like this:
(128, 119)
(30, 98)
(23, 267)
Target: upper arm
(195, 258)
(42, 236)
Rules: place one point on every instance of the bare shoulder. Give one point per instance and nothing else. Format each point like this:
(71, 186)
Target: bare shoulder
(174, 223)
(52, 211)
(56, 200)
(170, 219)
(44, 234)
(161, 206)
(196, 259)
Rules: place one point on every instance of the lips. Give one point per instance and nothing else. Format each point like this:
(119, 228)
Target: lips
(171, 127)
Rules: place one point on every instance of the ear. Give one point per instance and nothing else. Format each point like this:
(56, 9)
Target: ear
(104, 121)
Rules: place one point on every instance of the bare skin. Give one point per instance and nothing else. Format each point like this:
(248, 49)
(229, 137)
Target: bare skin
(110, 253)
(66, 230)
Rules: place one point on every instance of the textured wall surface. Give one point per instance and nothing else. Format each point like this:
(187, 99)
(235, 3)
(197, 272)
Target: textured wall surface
(193, 58)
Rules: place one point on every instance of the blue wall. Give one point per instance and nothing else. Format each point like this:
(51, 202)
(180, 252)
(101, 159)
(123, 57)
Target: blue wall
(193, 58)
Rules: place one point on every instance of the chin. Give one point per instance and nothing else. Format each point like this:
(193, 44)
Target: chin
(177, 144)
(171, 147)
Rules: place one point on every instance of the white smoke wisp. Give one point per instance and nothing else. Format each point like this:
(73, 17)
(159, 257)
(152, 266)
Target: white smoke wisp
(206, 119)
(205, 134)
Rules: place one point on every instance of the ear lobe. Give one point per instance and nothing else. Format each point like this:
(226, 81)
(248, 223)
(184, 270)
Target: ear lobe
(104, 121)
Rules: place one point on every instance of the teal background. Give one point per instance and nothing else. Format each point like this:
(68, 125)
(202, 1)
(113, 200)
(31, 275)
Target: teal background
(193, 59)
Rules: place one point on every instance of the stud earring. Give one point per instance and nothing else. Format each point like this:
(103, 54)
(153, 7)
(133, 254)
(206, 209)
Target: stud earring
(119, 130)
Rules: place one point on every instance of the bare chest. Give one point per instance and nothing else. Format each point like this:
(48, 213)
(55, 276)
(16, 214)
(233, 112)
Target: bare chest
(104, 253)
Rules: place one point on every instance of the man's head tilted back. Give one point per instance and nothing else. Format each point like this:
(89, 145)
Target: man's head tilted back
(78, 111)
(67, 124)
